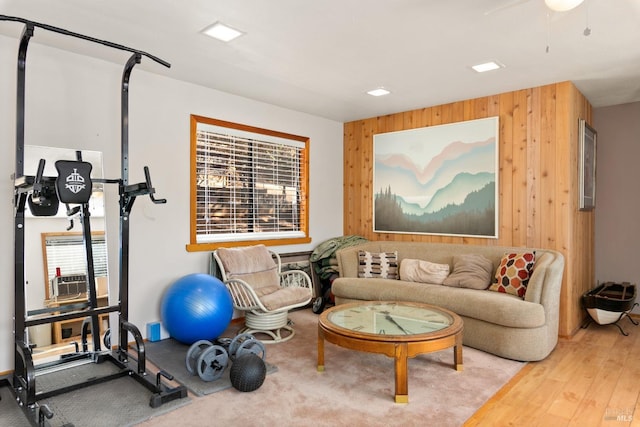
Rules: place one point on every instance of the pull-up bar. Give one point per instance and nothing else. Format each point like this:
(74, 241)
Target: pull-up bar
(27, 33)
(83, 37)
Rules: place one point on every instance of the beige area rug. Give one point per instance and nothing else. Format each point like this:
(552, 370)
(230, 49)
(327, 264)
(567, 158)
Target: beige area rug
(356, 388)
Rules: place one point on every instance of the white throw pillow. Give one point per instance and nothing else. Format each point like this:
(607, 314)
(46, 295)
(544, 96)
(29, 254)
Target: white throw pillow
(417, 270)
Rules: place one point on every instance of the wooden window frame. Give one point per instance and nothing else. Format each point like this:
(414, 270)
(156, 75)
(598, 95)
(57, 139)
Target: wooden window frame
(303, 198)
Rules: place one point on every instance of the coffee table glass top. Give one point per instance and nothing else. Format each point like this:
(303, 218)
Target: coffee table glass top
(390, 318)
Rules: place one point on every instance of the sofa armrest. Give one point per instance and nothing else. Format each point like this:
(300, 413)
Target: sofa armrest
(550, 297)
(537, 280)
(348, 262)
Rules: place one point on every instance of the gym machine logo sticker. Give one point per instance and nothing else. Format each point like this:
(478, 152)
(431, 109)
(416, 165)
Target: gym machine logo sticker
(75, 182)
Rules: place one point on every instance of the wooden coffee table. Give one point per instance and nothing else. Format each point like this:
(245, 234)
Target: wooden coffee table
(395, 329)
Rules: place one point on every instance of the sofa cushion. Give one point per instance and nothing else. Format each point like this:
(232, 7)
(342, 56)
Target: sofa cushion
(417, 270)
(470, 271)
(382, 265)
(513, 273)
(493, 307)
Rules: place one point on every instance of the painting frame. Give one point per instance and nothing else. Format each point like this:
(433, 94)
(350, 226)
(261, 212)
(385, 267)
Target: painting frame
(587, 140)
(438, 180)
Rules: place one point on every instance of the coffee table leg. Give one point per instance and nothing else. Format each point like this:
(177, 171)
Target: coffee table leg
(457, 353)
(320, 351)
(402, 385)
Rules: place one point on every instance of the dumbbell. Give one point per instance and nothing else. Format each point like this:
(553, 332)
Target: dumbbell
(244, 344)
(209, 360)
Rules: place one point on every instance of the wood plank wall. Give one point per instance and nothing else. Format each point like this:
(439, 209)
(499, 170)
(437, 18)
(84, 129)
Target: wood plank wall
(538, 178)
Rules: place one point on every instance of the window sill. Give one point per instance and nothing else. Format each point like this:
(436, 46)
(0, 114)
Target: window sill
(200, 247)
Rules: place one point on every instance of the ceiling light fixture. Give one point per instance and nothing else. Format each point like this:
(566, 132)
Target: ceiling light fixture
(487, 66)
(222, 32)
(562, 5)
(379, 92)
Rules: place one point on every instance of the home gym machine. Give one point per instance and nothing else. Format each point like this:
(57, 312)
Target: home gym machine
(73, 187)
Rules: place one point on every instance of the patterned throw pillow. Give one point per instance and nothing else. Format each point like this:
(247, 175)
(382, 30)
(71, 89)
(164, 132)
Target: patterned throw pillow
(513, 273)
(383, 265)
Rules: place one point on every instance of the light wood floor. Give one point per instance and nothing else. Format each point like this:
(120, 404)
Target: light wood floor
(592, 379)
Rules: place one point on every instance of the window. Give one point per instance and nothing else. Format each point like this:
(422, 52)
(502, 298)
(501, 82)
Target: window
(65, 251)
(248, 185)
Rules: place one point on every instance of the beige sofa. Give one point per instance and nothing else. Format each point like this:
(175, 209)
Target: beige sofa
(503, 324)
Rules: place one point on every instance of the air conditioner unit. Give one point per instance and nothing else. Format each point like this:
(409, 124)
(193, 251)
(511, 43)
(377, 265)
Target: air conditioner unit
(67, 286)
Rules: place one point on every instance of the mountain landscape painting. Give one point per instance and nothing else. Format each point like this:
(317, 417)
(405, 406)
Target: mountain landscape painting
(438, 180)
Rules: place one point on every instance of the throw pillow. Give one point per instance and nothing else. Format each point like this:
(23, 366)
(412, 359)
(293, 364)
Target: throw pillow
(383, 265)
(417, 270)
(470, 271)
(513, 273)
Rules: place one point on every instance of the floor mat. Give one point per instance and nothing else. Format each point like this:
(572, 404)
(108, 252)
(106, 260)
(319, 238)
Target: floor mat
(10, 412)
(170, 355)
(119, 402)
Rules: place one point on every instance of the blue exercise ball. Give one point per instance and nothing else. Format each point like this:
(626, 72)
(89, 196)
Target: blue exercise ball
(196, 307)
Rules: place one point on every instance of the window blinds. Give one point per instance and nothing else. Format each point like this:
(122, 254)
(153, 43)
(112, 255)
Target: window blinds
(67, 253)
(246, 188)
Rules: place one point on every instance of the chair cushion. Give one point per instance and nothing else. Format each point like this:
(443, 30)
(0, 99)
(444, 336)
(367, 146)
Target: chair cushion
(253, 264)
(247, 259)
(259, 280)
(284, 297)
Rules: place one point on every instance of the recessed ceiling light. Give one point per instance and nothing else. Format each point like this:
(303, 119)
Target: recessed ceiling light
(222, 32)
(562, 5)
(487, 66)
(379, 92)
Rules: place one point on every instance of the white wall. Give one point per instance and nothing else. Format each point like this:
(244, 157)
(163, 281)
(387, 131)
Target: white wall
(617, 194)
(74, 102)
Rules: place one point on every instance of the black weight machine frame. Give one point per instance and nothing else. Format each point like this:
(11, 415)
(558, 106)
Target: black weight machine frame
(25, 373)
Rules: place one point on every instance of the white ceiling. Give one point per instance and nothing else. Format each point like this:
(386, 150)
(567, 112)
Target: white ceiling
(321, 56)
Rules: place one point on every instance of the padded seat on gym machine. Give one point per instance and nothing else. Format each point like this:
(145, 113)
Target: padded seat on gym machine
(253, 276)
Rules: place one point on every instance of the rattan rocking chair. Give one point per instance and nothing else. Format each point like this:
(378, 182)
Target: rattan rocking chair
(253, 276)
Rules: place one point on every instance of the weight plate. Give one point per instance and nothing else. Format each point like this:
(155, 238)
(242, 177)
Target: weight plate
(106, 339)
(318, 305)
(252, 347)
(212, 363)
(224, 342)
(237, 341)
(194, 353)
